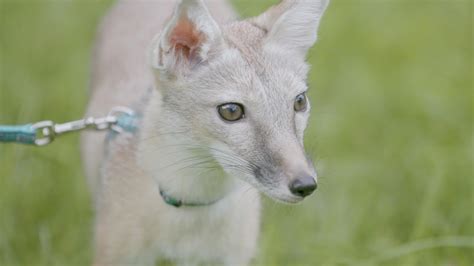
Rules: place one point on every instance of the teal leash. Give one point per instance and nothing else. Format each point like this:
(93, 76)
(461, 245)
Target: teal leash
(120, 119)
(25, 134)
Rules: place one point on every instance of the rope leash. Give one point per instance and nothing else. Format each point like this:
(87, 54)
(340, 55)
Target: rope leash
(120, 119)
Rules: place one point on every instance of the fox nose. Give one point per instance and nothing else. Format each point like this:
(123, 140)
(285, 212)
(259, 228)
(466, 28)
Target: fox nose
(303, 186)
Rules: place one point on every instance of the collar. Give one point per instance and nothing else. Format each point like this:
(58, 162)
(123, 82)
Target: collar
(179, 203)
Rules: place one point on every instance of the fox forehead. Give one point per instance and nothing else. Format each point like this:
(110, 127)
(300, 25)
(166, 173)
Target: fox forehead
(230, 78)
(248, 71)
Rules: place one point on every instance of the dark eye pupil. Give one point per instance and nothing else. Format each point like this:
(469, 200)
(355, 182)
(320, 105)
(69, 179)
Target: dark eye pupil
(232, 108)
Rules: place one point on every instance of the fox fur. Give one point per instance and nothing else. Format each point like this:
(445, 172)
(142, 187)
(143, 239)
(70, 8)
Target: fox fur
(175, 62)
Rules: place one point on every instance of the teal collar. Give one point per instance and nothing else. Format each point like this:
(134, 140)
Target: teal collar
(179, 203)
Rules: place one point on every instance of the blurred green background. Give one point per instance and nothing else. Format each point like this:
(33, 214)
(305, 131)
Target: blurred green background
(391, 132)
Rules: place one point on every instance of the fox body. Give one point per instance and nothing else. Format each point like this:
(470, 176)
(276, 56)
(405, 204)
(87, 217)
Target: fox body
(223, 112)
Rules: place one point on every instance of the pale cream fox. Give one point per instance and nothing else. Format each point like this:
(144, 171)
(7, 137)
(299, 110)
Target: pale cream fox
(222, 109)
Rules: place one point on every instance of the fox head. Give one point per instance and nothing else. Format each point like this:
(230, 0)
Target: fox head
(236, 93)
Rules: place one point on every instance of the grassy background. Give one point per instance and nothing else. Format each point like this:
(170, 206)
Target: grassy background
(391, 131)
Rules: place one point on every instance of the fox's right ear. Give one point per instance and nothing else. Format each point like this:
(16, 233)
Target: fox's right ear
(188, 40)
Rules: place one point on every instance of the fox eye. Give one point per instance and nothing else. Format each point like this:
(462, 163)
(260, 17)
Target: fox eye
(301, 102)
(231, 111)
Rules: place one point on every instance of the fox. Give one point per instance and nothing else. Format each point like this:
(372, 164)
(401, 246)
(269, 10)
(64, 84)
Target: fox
(222, 107)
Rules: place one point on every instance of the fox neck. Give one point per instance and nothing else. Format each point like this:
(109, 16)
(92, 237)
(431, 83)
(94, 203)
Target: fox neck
(183, 169)
(192, 176)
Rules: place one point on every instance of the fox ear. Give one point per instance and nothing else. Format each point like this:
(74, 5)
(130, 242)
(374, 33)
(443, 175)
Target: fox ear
(187, 39)
(292, 24)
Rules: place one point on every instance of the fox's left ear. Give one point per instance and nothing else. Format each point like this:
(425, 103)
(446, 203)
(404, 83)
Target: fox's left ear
(292, 24)
(189, 39)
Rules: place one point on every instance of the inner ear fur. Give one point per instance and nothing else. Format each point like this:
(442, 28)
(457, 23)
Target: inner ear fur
(185, 39)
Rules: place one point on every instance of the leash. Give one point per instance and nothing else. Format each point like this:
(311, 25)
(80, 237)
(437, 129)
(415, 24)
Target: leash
(120, 119)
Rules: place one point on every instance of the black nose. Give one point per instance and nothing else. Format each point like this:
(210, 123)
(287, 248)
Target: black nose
(303, 186)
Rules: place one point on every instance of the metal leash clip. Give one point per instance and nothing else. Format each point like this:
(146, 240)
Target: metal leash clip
(47, 131)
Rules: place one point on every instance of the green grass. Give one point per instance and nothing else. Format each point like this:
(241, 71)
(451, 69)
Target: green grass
(391, 132)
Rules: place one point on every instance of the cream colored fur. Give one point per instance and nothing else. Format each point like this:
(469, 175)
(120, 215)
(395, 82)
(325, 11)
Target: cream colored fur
(183, 147)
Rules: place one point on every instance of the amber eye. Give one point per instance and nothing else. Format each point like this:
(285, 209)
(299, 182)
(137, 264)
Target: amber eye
(231, 111)
(301, 103)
